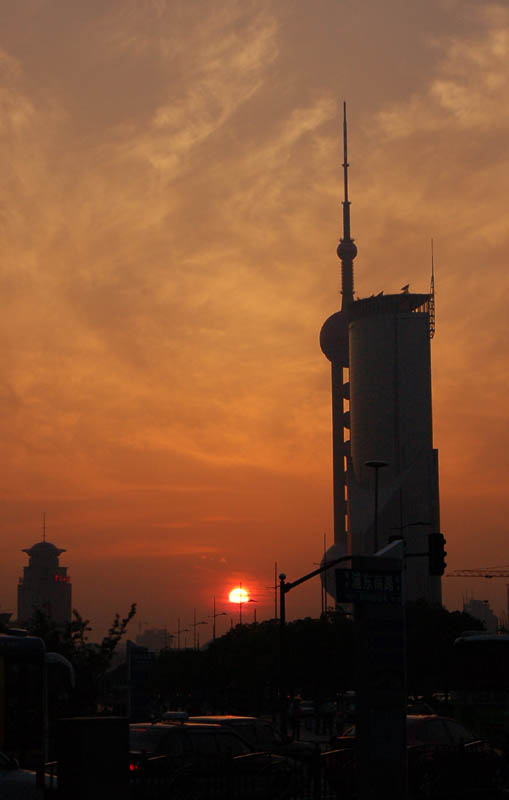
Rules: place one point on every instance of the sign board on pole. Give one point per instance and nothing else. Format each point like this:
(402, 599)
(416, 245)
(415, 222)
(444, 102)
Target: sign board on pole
(354, 586)
(373, 585)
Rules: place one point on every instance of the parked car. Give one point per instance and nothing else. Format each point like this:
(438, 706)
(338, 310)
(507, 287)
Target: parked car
(209, 761)
(16, 783)
(260, 734)
(445, 759)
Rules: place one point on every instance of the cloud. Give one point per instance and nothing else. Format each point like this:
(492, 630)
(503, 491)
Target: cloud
(148, 549)
(468, 84)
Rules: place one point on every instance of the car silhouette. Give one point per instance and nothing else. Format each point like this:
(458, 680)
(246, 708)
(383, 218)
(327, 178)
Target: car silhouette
(193, 759)
(260, 735)
(444, 759)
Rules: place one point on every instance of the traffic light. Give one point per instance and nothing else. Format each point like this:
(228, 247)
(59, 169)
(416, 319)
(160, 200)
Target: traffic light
(436, 553)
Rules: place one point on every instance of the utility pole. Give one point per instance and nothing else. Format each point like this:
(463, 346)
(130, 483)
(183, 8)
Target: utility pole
(373, 585)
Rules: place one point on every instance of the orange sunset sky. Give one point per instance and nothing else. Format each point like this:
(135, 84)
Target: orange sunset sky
(170, 208)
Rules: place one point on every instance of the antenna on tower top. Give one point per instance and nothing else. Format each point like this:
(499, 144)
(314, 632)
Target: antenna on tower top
(346, 202)
(43, 526)
(346, 249)
(432, 296)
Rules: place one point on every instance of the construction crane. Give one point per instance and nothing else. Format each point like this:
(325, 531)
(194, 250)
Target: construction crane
(486, 572)
(483, 572)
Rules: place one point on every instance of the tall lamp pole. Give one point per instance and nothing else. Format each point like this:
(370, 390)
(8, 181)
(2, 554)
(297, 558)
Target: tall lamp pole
(376, 465)
(283, 708)
(213, 618)
(194, 625)
(178, 632)
(254, 609)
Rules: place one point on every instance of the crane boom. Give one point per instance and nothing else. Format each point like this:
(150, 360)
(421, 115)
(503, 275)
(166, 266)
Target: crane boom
(477, 573)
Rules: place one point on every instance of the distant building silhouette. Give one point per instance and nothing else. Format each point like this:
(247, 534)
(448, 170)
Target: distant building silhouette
(45, 585)
(480, 609)
(154, 639)
(382, 435)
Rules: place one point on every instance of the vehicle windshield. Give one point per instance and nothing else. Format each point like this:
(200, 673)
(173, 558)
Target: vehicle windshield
(146, 738)
(5, 762)
(21, 702)
(436, 731)
(229, 744)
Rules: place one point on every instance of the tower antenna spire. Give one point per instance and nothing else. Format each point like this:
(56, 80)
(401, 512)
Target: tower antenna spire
(432, 296)
(346, 201)
(43, 526)
(346, 249)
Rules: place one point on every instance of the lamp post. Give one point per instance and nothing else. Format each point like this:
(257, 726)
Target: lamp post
(213, 617)
(376, 465)
(194, 625)
(240, 608)
(254, 609)
(178, 632)
(283, 709)
(239, 596)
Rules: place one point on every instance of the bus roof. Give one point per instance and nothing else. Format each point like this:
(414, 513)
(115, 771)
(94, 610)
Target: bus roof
(478, 636)
(21, 644)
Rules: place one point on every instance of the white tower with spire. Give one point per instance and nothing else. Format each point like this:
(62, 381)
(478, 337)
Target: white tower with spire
(379, 349)
(334, 344)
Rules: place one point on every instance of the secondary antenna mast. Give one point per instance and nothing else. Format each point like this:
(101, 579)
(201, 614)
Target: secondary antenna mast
(432, 297)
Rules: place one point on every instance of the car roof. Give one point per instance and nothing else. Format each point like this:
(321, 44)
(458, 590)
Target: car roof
(219, 718)
(168, 726)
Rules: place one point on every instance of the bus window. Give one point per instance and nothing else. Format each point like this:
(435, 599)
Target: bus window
(480, 685)
(22, 697)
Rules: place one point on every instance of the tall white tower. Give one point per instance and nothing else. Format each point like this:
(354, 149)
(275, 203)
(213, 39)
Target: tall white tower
(379, 349)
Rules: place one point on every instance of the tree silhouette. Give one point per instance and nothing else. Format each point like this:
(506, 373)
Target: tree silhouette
(91, 661)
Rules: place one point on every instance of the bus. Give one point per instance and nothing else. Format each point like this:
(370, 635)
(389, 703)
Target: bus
(480, 685)
(34, 687)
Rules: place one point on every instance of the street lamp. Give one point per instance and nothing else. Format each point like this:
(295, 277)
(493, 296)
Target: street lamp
(194, 625)
(239, 596)
(240, 608)
(178, 632)
(213, 617)
(376, 465)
